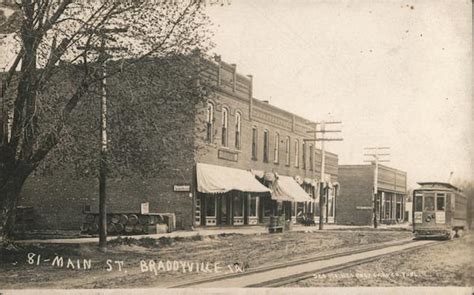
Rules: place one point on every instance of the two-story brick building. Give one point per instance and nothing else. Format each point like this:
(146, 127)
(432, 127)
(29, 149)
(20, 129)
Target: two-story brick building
(236, 160)
(247, 134)
(355, 201)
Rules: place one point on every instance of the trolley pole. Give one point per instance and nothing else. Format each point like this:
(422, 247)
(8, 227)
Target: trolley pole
(322, 130)
(376, 160)
(103, 57)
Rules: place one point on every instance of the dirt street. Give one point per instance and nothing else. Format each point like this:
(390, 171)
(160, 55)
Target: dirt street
(450, 263)
(163, 262)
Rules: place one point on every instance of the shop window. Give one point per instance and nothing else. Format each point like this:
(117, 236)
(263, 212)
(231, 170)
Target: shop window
(237, 130)
(225, 121)
(253, 205)
(287, 151)
(304, 156)
(440, 202)
(265, 146)
(388, 207)
(254, 143)
(297, 153)
(209, 121)
(238, 206)
(211, 206)
(418, 203)
(267, 207)
(311, 157)
(276, 150)
(429, 203)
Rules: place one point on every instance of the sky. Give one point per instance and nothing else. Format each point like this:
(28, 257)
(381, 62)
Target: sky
(396, 73)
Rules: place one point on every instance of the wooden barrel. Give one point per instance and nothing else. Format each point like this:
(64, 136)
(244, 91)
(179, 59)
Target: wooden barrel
(132, 219)
(123, 219)
(115, 218)
(111, 228)
(138, 228)
(85, 227)
(146, 229)
(143, 219)
(159, 219)
(94, 228)
(129, 228)
(119, 228)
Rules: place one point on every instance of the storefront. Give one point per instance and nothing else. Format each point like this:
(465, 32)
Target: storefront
(390, 207)
(329, 203)
(227, 196)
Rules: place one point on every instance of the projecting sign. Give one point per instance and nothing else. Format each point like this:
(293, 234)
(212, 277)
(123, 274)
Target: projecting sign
(145, 208)
(182, 188)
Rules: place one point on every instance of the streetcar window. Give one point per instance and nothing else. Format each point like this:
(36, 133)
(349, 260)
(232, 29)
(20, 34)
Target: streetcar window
(440, 202)
(418, 203)
(429, 203)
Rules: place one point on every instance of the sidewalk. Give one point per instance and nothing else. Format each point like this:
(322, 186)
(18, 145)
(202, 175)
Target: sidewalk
(245, 230)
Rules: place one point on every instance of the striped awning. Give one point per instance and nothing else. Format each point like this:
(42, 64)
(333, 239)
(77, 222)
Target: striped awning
(285, 188)
(215, 179)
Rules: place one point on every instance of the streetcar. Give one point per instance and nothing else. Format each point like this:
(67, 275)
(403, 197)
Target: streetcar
(439, 211)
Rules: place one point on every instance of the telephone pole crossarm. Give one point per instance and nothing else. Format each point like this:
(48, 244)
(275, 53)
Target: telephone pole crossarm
(102, 50)
(376, 159)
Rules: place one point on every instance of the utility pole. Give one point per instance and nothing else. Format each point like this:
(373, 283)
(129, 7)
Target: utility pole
(103, 57)
(377, 153)
(322, 130)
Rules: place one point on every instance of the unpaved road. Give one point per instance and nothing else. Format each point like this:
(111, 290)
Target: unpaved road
(242, 251)
(445, 264)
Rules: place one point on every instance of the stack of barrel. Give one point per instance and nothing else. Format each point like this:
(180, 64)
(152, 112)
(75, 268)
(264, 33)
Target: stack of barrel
(125, 223)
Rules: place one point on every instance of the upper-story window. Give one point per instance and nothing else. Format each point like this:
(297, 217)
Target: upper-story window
(254, 143)
(287, 151)
(265, 146)
(209, 121)
(276, 149)
(304, 156)
(237, 130)
(297, 153)
(311, 157)
(225, 122)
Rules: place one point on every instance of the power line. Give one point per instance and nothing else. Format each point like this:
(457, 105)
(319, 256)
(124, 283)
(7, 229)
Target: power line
(322, 131)
(376, 155)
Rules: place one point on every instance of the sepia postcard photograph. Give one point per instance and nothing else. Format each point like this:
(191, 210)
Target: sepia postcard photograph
(236, 146)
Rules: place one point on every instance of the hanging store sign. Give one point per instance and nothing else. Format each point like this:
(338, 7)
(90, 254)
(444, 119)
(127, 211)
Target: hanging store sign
(145, 208)
(181, 188)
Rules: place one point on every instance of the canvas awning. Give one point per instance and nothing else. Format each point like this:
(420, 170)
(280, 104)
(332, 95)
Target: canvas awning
(285, 188)
(215, 179)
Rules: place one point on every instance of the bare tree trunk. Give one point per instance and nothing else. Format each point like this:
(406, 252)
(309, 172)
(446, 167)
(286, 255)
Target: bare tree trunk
(10, 197)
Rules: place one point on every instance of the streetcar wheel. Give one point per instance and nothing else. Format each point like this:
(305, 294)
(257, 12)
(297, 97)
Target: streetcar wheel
(459, 233)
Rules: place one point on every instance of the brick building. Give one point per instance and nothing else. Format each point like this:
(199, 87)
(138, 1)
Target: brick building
(355, 199)
(236, 160)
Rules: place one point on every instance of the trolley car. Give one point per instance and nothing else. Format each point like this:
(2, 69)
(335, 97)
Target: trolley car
(439, 211)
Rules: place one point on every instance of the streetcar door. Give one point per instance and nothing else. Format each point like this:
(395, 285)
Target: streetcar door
(418, 208)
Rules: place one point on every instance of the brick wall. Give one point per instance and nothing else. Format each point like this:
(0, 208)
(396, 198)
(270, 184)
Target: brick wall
(152, 163)
(275, 122)
(355, 191)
